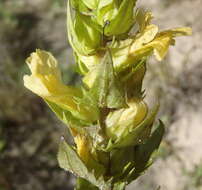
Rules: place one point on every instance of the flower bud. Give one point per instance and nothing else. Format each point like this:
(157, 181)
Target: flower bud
(131, 126)
(120, 122)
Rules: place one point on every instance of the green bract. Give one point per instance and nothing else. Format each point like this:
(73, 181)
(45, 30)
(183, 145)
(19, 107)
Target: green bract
(115, 16)
(83, 33)
(108, 117)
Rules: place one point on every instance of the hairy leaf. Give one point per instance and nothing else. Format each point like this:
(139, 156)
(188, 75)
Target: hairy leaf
(70, 161)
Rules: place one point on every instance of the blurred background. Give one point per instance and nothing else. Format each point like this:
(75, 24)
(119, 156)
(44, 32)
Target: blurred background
(30, 133)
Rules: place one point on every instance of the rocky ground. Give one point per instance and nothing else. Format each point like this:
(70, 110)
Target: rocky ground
(29, 133)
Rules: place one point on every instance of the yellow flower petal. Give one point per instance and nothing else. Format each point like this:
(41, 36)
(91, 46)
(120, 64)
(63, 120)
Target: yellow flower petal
(160, 46)
(144, 37)
(164, 39)
(182, 31)
(160, 43)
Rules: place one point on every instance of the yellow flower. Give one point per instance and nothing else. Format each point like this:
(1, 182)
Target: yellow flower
(45, 81)
(162, 41)
(144, 44)
(147, 40)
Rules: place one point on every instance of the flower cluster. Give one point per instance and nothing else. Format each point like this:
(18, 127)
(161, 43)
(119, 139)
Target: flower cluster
(108, 117)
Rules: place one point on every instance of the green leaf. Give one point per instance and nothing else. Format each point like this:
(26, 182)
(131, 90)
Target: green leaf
(105, 86)
(69, 160)
(144, 152)
(82, 184)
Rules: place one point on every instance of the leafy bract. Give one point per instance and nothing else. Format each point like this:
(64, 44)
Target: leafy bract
(133, 79)
(143, 153)
(120, 162)
(69, 160)
(138, 159)
(119, 186)
(104, 85)
(83, 33)
(122, 21)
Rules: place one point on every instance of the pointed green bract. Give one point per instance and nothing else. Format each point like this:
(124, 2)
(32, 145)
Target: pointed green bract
(104, 85)
(122, 21)
(117, 17)
(82, 32)
(143, 153)
(79, 6)
(120, 162)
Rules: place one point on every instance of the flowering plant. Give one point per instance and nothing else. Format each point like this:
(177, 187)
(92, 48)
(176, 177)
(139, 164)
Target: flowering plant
(110, 121)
